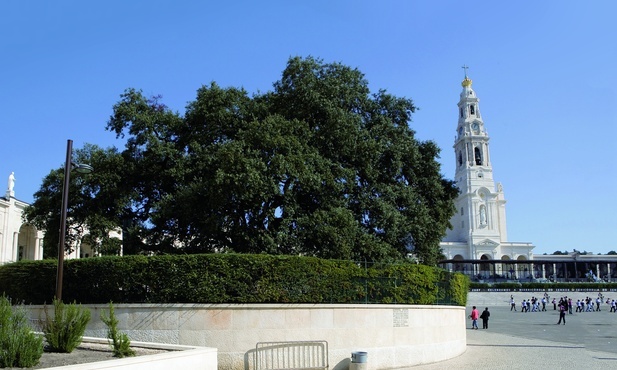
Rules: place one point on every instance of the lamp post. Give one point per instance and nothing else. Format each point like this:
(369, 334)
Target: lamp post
(68, 166)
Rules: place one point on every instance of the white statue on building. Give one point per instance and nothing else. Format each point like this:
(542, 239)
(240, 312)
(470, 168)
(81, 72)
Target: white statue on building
(11, 187)
(482, 215)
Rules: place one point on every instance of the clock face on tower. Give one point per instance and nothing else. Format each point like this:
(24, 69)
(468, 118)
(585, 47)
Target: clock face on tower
(475, 126)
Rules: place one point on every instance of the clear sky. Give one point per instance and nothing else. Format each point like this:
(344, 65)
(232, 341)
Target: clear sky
(545, 73)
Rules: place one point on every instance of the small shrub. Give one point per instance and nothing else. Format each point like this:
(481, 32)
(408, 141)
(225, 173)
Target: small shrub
(65, 330)
(19, 346)
(120, 342)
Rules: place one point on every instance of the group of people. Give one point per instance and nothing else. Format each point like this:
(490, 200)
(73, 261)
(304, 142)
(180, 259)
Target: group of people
(588, 304)
(565, 305)
(475, 315)
(532, 304)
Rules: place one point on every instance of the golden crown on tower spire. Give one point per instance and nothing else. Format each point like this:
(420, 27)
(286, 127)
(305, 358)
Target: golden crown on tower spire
(466, 82)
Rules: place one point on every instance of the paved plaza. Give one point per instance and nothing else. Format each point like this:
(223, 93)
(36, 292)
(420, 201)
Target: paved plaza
(516, 340)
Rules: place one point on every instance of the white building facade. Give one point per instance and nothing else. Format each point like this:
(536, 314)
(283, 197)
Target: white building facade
(479, 229)
(18, 240)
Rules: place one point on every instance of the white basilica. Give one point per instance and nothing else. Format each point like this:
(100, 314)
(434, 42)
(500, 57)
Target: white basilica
(479, 225)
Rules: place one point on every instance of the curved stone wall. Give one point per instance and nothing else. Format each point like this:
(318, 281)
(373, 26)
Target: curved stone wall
(393, 335)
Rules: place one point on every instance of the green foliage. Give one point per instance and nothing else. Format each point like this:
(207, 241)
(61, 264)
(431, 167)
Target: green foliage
(560, 253)
(479, 286)
(29, 281)
(236, 278)
(19, 346)
(63, 332)
(510, 285)
(457, 287)
(95, 204)
(120, 342)
(320, 166)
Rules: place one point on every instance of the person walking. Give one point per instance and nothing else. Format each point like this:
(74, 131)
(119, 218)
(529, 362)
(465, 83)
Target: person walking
(484, 316)
(562, 313)
(512, 303)
(474, 318)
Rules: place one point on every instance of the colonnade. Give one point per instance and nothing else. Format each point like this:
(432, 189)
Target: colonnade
(535, 270)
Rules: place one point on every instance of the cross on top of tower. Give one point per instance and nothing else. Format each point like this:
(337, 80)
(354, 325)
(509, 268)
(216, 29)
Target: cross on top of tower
(466, 82)
(465, 67)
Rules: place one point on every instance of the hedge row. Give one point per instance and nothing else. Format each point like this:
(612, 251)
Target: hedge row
(230, 278)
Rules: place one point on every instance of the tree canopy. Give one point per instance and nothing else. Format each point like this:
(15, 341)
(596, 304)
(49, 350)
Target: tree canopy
(319, 166)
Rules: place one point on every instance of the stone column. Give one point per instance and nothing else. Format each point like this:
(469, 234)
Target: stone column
(15, 246)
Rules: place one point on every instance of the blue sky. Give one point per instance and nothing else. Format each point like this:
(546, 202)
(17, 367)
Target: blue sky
(545, 73)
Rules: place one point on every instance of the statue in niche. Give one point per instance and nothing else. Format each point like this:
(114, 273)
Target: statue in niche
(482, 215)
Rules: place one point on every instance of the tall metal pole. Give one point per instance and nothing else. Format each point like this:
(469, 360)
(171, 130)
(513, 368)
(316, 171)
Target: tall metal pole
(63, 210)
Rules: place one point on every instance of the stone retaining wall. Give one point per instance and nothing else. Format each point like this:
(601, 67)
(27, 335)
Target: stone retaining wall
(393, 335)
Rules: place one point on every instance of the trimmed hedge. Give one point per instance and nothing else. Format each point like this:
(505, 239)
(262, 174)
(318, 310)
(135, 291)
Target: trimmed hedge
(231, 278)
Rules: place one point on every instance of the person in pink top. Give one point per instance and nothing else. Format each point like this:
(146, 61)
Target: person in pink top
(474, 318)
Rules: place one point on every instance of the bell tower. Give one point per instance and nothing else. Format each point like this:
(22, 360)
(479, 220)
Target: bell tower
(480, 221)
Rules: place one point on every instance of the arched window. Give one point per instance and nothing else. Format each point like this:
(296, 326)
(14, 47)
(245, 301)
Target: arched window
(460, 158)
(485, 268)
(478, 156)
(461, 112)
(472, 109)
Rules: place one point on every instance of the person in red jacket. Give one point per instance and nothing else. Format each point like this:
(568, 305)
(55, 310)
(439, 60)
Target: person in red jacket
(474, 318)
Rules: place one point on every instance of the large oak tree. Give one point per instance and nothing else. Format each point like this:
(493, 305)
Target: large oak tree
(319, 166)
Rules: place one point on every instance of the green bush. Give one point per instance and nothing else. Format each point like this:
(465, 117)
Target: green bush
(233, 278)
(19, 346)
(509, 286)
(480, 286)
(120, 342)
(29, 281)
(457, 288)
(65, 330)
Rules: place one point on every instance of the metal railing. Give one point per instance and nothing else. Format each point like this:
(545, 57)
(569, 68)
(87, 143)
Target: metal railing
(309, 355)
